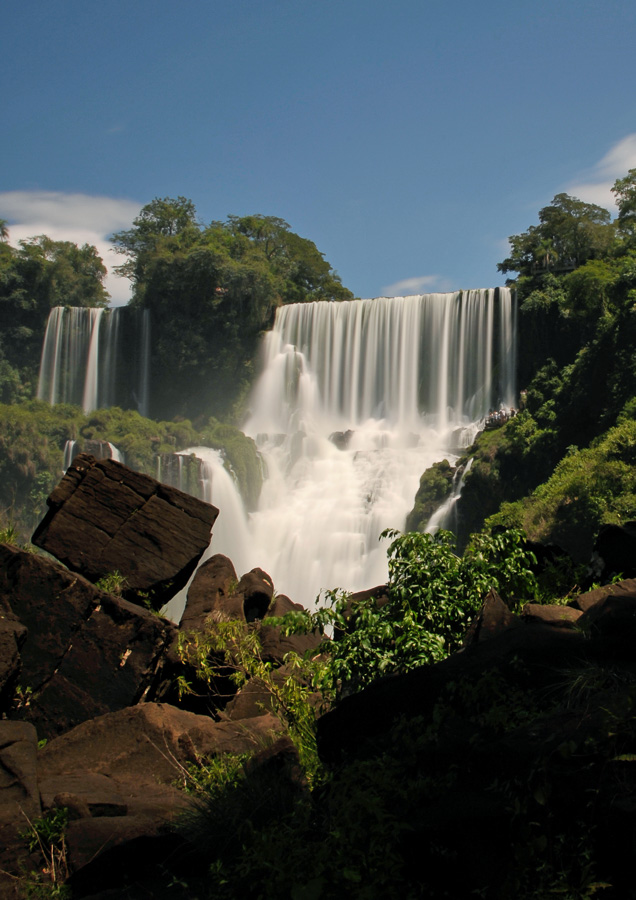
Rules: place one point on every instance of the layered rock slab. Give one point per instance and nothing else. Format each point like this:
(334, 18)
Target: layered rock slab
(103, 517)
(86, 652)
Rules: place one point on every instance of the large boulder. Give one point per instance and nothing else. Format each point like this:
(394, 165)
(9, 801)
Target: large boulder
(103, 517)
(84, 652)
(119, 776)
(275, 644)
(212, 593)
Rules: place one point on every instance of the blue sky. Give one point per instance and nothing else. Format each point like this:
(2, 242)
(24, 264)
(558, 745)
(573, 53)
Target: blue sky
(407, 140)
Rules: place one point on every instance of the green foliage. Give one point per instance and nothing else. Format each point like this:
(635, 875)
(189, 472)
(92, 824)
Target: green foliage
(212, 290)
(241, 457)
(213, 775)
(46, 835)
(432, 597)
(236, 648)
(33, 436)
(40, 274)
(588, 488)
(113, 583)
(436, 485)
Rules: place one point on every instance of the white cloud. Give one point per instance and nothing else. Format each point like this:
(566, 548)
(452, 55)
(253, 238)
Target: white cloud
(80, 218)
(420, 285)
(615, 164)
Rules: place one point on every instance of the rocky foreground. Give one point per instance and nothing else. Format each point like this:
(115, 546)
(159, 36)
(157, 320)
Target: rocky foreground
(92, 720)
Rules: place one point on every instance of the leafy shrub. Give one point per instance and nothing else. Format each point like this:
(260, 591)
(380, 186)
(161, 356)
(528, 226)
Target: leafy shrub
(432, 597)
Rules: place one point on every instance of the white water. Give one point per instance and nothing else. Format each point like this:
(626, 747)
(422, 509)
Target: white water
(445, 517)
(405, 381)
(411, 378)
(83, 359)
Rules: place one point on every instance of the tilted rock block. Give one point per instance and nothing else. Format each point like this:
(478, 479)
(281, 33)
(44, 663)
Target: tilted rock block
(103, 517)
(86, 652)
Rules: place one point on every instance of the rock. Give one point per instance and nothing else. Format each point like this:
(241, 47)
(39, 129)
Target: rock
(122, 768)
(105, 518)
(86, 652)
(19, 797)
(559, 616)
(12, 636)
(257, 589)
(591, 598)
(359, 719)
(494, 618)
(253, 699)
(341, 439)
(614, 553)
(276, 645)
(612, 620)
(212, 593)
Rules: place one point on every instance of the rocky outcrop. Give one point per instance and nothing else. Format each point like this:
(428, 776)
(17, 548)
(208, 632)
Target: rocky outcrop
(19, 798)
(83, 652)
(104, 517)
(212, 593)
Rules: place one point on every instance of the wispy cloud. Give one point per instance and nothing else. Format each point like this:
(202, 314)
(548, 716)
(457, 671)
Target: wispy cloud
(421, 284)
(81, 218)
(597, 187)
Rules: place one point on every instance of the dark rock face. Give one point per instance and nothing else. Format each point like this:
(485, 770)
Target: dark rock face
(103, 517)
(614, 553)
(212, 593)
(117, 774)
(19, 795)
(275, 645)
(256, 589)
(85, 652)
(12, 636)
(494, 618)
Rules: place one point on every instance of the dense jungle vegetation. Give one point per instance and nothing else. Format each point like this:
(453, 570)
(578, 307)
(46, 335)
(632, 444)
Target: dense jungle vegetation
(566, 463)
(211, 289)
(372, 824)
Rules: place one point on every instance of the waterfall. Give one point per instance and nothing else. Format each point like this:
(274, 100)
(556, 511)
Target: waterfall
(356, 400)
(446, 516)
(91, 359)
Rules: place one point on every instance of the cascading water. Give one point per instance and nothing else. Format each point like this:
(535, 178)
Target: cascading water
(356, 400)
(446, 516)
(90, 359)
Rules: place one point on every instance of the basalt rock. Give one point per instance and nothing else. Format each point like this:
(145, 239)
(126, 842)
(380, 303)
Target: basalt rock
(275, 644)
(614, 553)
(103, 517)
(84, 652)
(19, 797)
(118, 774)
(212, 594)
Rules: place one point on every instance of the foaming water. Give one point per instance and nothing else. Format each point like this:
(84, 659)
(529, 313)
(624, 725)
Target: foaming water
(355, 402)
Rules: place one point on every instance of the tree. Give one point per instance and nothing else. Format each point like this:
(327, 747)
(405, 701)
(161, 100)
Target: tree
(624, 191)
(153, 233)
(40, 274)
(570, 232)
(212, 290)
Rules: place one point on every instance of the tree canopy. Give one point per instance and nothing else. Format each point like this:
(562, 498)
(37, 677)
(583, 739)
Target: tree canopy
(39, 274)
(212, 290)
